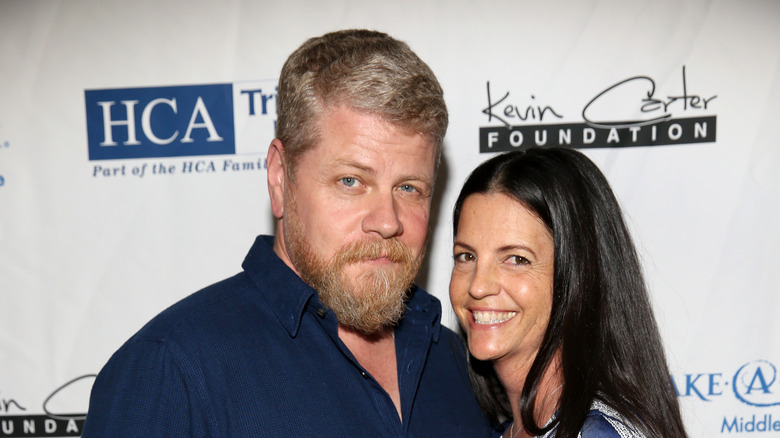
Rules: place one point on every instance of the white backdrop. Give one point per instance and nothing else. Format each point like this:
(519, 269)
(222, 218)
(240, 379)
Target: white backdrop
(89, 251)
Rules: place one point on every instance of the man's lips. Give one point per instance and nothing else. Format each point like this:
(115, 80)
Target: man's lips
(382, 259)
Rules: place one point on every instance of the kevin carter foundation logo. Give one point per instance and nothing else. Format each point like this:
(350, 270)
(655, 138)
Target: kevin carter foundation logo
(61, 414)
(630, 112)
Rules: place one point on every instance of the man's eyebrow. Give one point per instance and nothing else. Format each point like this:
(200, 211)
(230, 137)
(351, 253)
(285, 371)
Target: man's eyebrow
(372, 171)
(355, 164)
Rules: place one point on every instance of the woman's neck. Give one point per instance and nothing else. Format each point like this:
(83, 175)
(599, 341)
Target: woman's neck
(513, 377)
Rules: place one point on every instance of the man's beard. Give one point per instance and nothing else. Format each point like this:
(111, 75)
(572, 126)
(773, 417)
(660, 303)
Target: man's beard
(371, 301)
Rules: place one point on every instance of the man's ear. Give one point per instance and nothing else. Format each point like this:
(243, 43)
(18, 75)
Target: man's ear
(277, 177)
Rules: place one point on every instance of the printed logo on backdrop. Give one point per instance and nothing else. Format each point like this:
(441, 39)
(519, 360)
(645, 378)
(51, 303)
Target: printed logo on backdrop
(630, 112)
(56, 418)
(754, 384)
(175, 130)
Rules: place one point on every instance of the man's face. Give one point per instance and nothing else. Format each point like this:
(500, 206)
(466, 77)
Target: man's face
(355, 216)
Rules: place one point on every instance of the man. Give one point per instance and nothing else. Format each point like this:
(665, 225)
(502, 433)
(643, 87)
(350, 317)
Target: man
(321, 334)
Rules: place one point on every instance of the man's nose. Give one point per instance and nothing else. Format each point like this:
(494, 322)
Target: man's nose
(383, 217)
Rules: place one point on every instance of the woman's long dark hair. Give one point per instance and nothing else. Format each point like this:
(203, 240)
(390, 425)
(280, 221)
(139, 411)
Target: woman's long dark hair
(601, 319)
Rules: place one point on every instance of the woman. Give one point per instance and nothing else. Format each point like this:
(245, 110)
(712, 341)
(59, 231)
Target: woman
(548, 288)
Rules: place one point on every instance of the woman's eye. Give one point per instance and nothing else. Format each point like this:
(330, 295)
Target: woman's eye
(464, 257)
(518, 260)
(349, 181)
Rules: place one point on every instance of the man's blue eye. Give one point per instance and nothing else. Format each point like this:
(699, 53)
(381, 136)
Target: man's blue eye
(349, 181)
(407, 188)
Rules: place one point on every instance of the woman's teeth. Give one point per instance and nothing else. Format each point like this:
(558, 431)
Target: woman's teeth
(482, 317)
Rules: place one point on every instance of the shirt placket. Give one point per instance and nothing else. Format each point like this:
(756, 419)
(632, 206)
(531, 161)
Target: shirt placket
(381, 400)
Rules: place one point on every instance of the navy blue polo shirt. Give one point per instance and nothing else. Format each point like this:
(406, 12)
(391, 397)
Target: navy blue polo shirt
(257, 355)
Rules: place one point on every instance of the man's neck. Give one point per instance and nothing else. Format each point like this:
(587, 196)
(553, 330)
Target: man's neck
(376, 353)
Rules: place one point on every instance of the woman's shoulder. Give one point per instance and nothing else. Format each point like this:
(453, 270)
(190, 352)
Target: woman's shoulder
(604, 422)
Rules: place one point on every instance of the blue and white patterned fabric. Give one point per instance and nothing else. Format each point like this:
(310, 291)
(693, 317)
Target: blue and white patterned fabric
(601, 422)
(604, 422)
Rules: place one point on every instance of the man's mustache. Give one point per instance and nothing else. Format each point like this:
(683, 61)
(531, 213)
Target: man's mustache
(363, 250)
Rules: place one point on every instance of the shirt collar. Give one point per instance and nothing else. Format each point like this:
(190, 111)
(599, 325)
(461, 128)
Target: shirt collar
(423, 309)
(288, 295)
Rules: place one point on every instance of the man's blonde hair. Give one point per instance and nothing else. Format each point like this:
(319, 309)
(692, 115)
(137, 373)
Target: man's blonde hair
(366, 71)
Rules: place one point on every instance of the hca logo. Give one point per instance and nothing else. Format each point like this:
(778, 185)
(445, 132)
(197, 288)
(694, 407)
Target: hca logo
(160, 121)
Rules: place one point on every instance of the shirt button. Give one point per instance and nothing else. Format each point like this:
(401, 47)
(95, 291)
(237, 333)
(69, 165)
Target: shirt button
(364, 374)
(321, 312)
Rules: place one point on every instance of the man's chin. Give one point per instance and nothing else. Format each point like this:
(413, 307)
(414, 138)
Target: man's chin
(376, 320)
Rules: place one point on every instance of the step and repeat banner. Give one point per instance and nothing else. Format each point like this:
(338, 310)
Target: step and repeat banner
(132, 166)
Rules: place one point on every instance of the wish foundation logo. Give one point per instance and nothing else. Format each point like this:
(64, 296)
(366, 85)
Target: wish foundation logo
(754, 384)
(630, 112)
(236, 121)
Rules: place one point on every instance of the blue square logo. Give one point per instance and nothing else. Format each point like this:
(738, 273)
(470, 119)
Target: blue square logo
(160, 122)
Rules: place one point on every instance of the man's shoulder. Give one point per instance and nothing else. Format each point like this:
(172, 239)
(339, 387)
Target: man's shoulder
(209, 305)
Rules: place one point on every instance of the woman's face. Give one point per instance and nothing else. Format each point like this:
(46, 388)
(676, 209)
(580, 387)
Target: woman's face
(502, 279)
